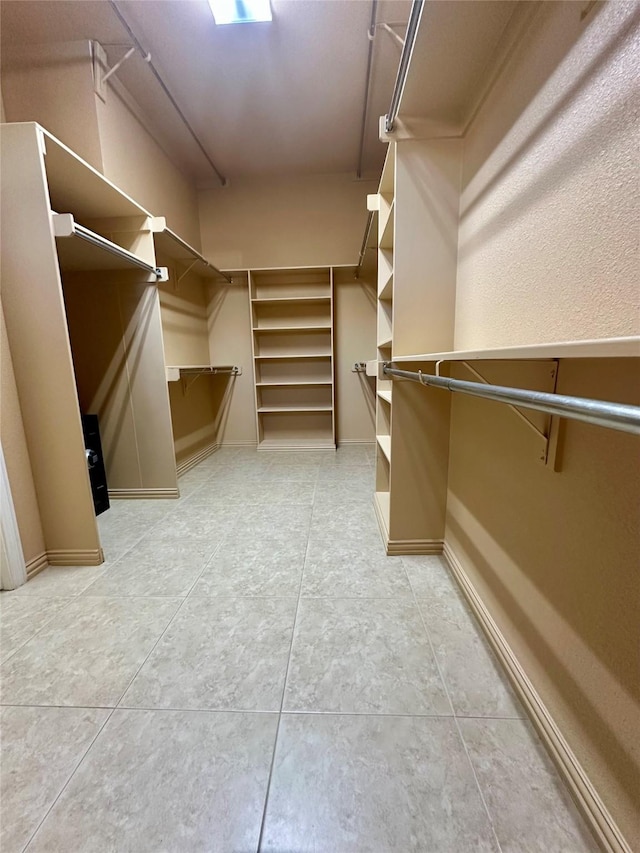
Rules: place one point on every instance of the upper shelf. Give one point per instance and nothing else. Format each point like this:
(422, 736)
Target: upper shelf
(76, 186)
(81, 249)
(168, 242)
(457, 48)
(176, 371)
(605, 348)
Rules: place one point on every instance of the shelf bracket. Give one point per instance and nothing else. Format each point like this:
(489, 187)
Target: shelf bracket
(186, 272)
(100, 75)
(208, 371)
(359, 367)
(548, 437)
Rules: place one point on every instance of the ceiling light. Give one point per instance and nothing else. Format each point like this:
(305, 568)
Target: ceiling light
(240, 11)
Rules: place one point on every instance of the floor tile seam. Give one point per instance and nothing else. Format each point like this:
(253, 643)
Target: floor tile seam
(453, 716)
(71, 775)
(43, 626)
(153, 648)
(282, 698)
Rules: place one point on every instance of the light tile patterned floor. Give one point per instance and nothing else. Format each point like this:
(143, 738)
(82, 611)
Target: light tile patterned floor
(249, 671)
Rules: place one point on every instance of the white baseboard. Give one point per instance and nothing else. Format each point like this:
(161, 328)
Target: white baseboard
(142, 494)
(238, 444)
(93, 557)
(36, 564)
(356, 442)
(584, 794)
(196, 459)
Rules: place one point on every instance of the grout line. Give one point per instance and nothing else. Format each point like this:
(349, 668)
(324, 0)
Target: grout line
(71, 775)
(454, 715)
(169, 624)
(284, 688)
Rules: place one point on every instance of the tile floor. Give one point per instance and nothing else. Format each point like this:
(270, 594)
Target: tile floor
(249, 671)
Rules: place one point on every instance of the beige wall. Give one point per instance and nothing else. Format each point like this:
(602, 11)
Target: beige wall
(354, 340)
(183, 306)
(285, 222)
(53, 85)
(548, 251)
(549, 209)
(135, 162)
(554, 557)
(230, 343)
(16, 452)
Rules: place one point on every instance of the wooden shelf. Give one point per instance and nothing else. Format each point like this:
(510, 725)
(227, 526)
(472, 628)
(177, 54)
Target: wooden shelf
(385, 395)
(170, 244)
(307, 407)
(267, 329)
(77, 186)
(270, 300)
(294, 384)
(292, 322)
(605, 348)
(387, 233)
(386, 290)
(82, 249)
(459, 45)
(293, 357)
(385, 444)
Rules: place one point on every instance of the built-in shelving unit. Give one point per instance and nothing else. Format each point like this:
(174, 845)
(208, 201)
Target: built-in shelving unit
(87, 328)
(386, 232)
(170, 245)
(292, 336)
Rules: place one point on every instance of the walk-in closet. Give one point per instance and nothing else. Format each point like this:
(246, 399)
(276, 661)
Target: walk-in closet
(320, 418)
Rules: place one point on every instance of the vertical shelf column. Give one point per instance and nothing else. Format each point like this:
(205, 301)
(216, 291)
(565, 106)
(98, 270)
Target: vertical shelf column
(385, 202)
(292, 335)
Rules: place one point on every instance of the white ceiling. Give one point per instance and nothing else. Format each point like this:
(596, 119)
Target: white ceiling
(265, 99)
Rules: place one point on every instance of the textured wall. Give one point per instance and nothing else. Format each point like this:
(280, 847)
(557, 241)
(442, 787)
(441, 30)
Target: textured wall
(548, 251)
(548, 244)
(287, 222)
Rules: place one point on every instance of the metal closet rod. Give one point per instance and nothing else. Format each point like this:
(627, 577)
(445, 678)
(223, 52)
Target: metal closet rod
(165, 89)
(403, 68)
(106, 245)
(618, 416)
(365, 106)
(365, 240)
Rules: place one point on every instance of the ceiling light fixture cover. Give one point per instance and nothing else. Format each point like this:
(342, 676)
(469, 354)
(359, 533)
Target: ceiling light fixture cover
(240, 11)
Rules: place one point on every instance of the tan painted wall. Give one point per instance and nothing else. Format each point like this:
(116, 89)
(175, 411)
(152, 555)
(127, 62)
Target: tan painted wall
(549, 209)
(555, 558)
(286, 222)
(53, 85)
(135, 162)
(230, 343)
(16, 451)
(354, 340)
(183, 306)
(548, 251)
